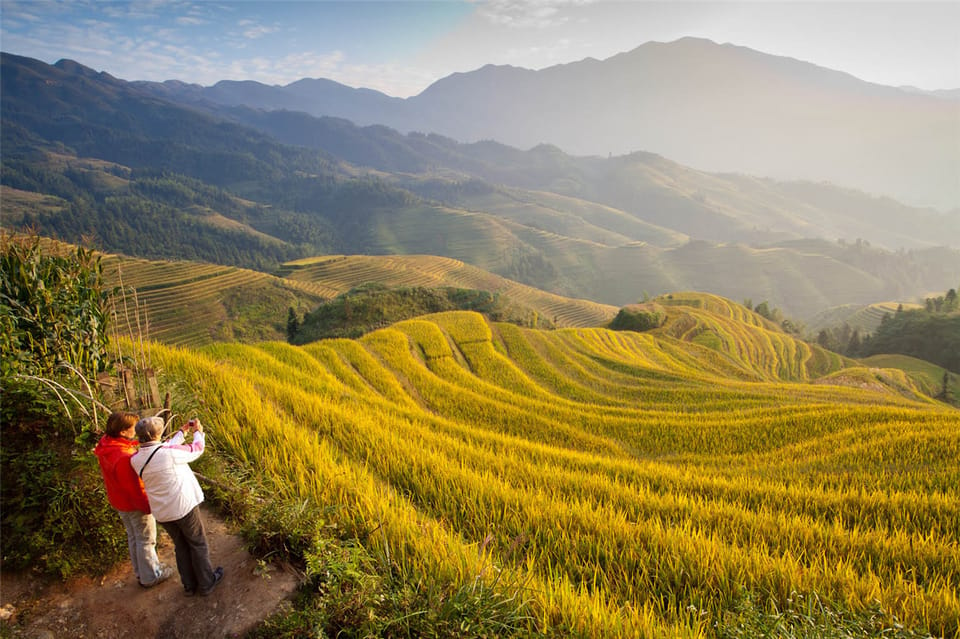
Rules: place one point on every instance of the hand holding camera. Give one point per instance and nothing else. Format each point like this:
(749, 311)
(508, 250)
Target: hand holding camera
(192, 425)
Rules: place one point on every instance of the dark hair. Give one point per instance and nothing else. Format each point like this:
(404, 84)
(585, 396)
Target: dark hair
(119, 422)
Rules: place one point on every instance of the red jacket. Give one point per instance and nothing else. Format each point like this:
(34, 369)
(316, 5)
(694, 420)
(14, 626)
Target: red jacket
(124, 488)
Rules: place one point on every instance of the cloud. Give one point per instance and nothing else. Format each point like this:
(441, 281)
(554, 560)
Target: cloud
(254, 33)
(190, 21)
(88, 41)
(556, 52)
(252, 30)
(527, 14)
(140, 10)
(29, 17)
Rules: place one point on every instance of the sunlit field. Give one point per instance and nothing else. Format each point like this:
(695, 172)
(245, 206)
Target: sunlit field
(635, 484)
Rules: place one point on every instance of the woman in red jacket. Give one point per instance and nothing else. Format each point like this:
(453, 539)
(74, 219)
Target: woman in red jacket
(126, 495)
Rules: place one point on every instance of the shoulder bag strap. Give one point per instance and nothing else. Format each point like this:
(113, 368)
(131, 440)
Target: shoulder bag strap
(148, 459)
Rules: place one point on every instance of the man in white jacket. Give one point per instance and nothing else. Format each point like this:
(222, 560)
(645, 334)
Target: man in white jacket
(175, 497)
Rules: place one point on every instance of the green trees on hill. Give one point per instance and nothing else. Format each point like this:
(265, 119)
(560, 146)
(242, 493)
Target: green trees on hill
(931, 333)
(639, 317)
(943, 304)
(776, 316)
(374, 306)
(160, 215)
(934, 337)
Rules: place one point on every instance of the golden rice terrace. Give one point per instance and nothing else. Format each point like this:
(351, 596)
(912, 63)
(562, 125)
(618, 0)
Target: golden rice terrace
(641, 484)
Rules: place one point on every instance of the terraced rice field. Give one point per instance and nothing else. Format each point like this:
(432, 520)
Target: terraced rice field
(192, 304)
(341, 273)
(637, 485)
(864, 318)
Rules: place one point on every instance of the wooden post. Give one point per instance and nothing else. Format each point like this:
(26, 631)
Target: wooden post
(154, 389)
(108, 386)
(129, 387)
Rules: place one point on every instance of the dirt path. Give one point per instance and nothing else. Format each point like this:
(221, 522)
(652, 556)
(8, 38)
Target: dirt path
(116, 607)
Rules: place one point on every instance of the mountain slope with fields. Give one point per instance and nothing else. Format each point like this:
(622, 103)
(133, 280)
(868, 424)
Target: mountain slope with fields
(449, 475)
(717, 107)
(619, 477)
(644, 186)
(89, 156)
(193, 304)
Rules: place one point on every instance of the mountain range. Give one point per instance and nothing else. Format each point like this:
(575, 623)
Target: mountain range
(148, 172)
(706, 105)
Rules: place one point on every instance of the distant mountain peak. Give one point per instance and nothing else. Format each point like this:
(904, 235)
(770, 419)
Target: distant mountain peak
(712, 106)
(74, 67)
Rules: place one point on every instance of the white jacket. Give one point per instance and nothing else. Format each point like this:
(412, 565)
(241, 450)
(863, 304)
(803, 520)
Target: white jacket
(172, 488)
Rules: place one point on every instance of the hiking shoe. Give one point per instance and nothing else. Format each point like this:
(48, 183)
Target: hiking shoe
(165, 573)
(217, 577)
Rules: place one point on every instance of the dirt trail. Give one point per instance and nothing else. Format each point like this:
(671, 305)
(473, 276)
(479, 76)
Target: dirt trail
(116, 607)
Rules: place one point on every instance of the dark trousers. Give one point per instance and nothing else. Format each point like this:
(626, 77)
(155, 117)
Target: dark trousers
(190, 547)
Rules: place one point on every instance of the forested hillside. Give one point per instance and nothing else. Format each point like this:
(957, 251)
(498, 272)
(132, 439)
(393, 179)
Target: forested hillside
(931, 333)
(712, 105)
(89, 158)
(643, 187)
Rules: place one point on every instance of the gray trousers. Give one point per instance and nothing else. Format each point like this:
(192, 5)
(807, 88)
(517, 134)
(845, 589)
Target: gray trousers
(142, 543)
(190, 547)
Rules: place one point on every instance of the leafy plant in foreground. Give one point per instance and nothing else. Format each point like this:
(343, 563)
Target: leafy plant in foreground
(55, 516)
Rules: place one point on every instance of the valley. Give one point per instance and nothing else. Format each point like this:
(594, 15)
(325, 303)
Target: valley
(150, 178)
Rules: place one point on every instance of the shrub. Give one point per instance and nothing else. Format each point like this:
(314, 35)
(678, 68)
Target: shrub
(52, 310)
(56, 518)
(55, 515)
(639, 317)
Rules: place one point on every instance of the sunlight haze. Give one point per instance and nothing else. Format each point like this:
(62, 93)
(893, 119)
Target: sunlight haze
(400, 48)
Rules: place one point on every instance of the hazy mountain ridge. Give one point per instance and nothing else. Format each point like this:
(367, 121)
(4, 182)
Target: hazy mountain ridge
(711, 106)
(166, 177)
(718, 207)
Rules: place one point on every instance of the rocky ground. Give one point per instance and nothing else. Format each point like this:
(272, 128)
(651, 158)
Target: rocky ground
(116, 607)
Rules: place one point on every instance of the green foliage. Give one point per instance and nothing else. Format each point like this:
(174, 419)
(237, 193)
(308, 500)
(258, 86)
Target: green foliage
(639, 317)
(55, 514)
(293, 324)
(808, 618)
(54, 339)
(932, 380)
(931, 333)
(372, 306)
(352, 593)
(51, 309)
(947, 303)
(934, 337)
(530, 266)
(841, 339)
(160, 214)
(773, 314)
(56, 518)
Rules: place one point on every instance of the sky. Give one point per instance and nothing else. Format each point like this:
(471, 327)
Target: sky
(400, 47)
